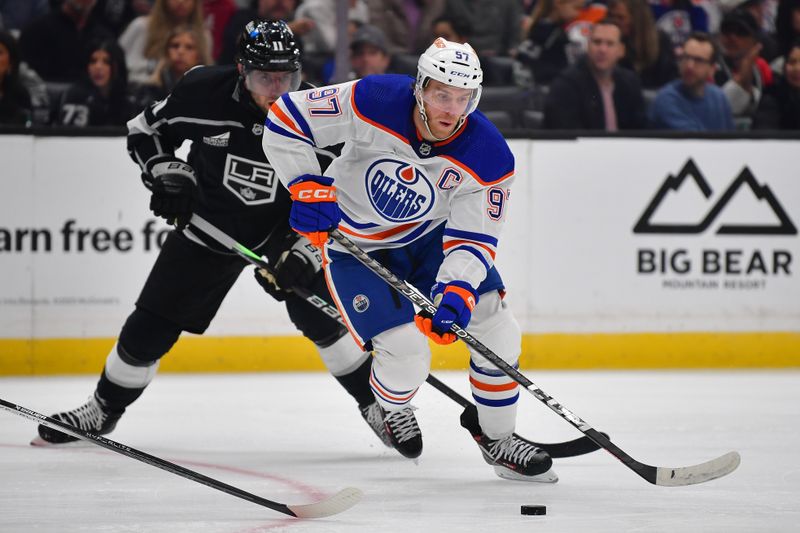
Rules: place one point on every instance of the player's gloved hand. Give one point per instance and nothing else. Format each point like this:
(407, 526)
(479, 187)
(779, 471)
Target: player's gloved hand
(295, 267)
(455, 302)
(314, 208)
(174, 187)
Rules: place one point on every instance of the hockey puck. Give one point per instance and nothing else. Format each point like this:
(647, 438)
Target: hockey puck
(533, 509)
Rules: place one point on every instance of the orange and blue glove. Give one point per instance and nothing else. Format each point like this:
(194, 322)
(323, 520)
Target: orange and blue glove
(314, 209)
(454, 302)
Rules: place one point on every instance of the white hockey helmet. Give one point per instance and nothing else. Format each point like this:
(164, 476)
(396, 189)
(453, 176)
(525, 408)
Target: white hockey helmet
(453, 64)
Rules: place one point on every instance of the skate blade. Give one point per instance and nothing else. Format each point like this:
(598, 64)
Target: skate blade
(545, 477)
(40, 442)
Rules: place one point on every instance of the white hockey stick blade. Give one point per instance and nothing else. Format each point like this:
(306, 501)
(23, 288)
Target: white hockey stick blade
(691, 475)
(339, 502)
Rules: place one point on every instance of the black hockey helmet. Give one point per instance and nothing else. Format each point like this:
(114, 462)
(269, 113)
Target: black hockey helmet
(268, 45)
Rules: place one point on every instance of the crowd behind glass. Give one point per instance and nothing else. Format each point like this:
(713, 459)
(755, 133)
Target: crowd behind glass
(696, 65)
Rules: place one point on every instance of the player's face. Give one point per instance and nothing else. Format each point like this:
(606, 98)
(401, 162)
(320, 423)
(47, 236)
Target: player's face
(100, 68)
(267, 86)
(444, 106)
(182, 53)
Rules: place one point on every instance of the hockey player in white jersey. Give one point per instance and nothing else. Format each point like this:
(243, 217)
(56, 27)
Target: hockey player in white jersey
(423, 185)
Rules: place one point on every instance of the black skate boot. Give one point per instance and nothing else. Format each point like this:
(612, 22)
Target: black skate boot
(404, 433)
(92, 417)
(512, 457)
(373, 416)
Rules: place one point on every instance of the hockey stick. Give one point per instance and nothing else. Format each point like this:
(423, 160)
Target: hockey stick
(657, 475)
(579, 446)
(341, 501)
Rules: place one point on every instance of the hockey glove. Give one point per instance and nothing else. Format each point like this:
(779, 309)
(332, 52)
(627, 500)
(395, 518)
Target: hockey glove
(174, 187)
(295, 268)
(314, 208)
(455, 302)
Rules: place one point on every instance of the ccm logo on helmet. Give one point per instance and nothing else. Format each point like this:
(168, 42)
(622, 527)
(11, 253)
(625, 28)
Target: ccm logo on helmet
(457, 73)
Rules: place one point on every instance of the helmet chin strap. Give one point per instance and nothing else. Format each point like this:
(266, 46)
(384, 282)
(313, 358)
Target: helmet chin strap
(424, 116)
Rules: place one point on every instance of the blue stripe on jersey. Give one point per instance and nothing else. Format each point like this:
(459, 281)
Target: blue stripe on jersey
(497, 403)
(358, 225)
(272, 126)
(471, 235)
(298, 117)
(414, 234)
(387, 389)
(387, 99)
(487, 372)
(474, 252)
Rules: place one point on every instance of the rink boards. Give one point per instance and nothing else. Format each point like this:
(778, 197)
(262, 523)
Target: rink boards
(617, 253)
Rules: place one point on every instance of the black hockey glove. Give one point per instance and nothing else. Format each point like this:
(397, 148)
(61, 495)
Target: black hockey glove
(296, 267)
(174, 188)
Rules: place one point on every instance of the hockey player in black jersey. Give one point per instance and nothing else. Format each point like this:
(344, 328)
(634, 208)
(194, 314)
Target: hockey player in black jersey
(227, 180)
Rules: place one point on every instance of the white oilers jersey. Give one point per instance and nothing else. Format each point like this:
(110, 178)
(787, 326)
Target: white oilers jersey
(394, 187)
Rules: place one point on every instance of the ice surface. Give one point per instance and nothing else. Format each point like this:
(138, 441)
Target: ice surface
(295, 438)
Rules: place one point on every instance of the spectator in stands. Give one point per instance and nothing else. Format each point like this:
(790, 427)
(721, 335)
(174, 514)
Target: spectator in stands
(145, 37)
(693, 103)
(407, 24)
(321, 39)
(758, 9)
(547, 49)
(648, 50)
(16, 14)
(453, 29)
(101, 97)
(369, 53)
(265, 10)
(217, 15)
(596, 93)
(15, 102)
(183, 51)
(54, 44)
(117, 14)
(742, 74)
(679, 18)
(779, 108)
(787, 28)
(496, 24)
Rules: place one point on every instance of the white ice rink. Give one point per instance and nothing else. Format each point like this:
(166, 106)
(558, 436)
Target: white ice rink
(295, 438)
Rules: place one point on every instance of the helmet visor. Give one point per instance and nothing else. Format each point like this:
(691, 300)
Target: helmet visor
(454, 101)
(271, 83)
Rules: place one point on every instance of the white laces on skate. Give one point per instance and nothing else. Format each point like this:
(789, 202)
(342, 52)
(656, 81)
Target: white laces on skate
(373, 416)
(87, 416)
(403, 423)
(515, 450)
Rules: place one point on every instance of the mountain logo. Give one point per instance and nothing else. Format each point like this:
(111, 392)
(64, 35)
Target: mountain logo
(744, 182)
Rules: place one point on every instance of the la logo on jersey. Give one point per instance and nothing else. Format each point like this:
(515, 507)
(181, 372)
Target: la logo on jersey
(399, 192)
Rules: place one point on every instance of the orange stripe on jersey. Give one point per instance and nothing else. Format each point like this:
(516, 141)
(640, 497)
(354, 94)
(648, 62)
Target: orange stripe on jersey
(381, 234)
(372, 122)
(450, 244)
(472, 172)
(278, 112)
(492, 388)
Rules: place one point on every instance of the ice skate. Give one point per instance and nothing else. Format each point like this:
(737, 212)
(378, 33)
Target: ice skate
(373, 416)
(91, 417)
(516, 458)
(403, 431)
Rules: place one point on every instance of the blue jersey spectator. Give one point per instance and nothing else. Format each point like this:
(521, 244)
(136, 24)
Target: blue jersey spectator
(692, 103)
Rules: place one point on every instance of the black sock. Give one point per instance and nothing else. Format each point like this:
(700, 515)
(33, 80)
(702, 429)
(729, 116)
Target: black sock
(357, 383)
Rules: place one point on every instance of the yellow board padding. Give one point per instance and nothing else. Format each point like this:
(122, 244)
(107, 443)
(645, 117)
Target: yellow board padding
(562, 351)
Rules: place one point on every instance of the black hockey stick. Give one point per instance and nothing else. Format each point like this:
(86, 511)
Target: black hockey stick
(571, 448)
(341, 501)
(657, 475)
